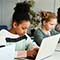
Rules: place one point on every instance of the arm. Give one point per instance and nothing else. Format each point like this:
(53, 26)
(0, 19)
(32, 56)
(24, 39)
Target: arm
(31, 49)
(38, 36)
(29, 53)
(20, 54)
(30, 43)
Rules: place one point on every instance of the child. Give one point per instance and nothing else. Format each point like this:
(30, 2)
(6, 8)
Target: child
(18, 33)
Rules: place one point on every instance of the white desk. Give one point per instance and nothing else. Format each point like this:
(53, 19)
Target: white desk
(56, 54)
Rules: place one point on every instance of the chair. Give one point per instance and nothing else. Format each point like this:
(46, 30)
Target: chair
(3, 27)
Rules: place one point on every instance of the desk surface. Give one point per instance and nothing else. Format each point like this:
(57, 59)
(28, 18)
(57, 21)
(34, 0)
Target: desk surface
(55, 55)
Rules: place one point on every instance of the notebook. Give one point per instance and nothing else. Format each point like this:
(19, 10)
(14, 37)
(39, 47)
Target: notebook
(7, 53)
(47, 47)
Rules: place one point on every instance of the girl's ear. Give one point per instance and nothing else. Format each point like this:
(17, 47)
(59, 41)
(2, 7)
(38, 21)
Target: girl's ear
(44, 22)
(14, 24)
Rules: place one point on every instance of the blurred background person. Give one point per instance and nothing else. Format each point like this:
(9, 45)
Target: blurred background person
(47, 28)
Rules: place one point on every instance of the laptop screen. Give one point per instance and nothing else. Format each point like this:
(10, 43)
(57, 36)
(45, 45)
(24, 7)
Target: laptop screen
(47, 47)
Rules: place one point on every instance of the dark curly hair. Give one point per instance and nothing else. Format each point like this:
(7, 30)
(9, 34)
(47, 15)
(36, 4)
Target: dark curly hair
(58, 15)
(21, 12)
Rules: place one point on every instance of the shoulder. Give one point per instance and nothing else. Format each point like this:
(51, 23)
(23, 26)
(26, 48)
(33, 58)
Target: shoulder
(38, 31)
(3, 31)
(6, 33)
(39, 34)
(54, 32)
(2, 37)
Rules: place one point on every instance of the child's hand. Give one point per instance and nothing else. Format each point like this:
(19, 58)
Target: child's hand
(32, 53)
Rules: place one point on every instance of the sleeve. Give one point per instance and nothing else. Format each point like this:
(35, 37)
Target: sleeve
(30, 43)
(2, 39)
(54, 32)
(38, 37)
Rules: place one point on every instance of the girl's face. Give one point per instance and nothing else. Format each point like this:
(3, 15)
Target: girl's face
(22, 28)
(50, 24)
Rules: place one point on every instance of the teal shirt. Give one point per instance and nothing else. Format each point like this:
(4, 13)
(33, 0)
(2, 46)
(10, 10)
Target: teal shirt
(39, 35)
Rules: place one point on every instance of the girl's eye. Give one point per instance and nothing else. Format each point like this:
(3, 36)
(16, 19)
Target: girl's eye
(23, 28)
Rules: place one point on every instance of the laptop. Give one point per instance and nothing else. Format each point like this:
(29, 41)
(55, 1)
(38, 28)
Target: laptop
(47, 47)
(58, 47)
(7, 52)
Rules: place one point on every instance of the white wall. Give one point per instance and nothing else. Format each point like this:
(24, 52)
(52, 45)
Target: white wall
(6, 8)
(0, 11)
(50, 5)
(57, 5)
(6, 11)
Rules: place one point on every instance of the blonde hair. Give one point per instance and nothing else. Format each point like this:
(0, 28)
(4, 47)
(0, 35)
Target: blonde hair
(47, 15)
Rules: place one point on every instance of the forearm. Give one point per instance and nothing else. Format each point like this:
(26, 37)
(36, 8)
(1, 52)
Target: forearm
(29, 53)
(20, 54)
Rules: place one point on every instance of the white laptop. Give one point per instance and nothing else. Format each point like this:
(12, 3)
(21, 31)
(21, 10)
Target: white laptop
(7, 53)
(47, 47)
(58, 47)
